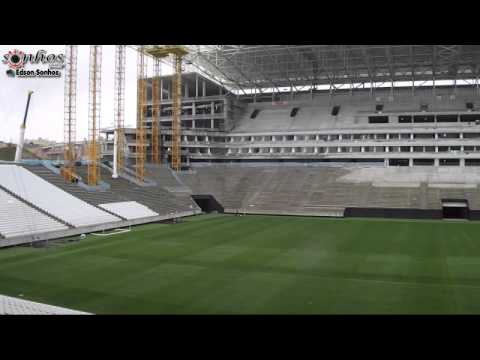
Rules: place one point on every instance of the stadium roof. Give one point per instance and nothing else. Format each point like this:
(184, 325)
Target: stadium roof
(278, 68)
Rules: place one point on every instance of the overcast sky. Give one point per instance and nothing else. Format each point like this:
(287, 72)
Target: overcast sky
(45, 117)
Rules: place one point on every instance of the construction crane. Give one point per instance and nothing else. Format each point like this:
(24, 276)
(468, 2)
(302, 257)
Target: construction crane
(119, 100)
(70, 105)
(178, 52)
(94, 115)
(21, 140)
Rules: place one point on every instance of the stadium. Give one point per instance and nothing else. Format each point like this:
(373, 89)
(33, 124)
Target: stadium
(258, 179)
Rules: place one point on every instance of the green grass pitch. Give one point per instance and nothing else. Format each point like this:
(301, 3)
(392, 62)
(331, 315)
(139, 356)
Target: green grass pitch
(220, 264)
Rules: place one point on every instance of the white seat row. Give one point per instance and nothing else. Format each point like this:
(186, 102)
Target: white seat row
(14, 306)
(129, 209)
(50, 198)
(17, 218)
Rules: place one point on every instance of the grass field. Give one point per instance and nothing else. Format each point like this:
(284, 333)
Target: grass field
(258, 265)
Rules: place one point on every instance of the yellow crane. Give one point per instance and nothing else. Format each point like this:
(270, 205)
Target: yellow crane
(178, 52)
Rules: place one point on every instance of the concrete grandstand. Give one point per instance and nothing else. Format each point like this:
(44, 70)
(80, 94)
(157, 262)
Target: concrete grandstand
(320, 130)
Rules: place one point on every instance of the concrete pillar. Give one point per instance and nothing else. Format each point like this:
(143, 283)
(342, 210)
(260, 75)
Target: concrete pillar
(294, 137)
(387, 148)
(293, 150)
(386, 163)
(204, 88)
(208, 151)
(186, 90)
(315, 150)
(212, 124)
(411, 136)
(193, 124)
(317, 137)
(271, 151)
(161, 89)
(362, 149)
(284, 137)
(436, 149)
(462, 162)
(461, 135)
(212, 108)
(411, 148)
(387, 137)
(282, 150)
(328, 137)
(410, 162)
(196, 85)
(436, 162)
(250, 150)
(229, 151)
(436, 136)
(304, 150)
(206, 139)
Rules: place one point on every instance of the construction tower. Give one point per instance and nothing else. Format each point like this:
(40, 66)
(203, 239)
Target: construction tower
(119, 107)
(94, 115)
(70, 107)
(156, 146)
(178, 52)
(141, 137)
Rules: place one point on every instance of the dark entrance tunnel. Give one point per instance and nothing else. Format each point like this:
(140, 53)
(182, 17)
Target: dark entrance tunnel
(455, 209)
(208, 203)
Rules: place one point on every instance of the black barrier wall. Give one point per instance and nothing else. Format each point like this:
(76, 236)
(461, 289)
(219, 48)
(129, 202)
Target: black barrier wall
(394, 213)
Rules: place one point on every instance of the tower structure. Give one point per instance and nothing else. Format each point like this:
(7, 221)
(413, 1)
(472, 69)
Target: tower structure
(141, 141)
(178, 53)
(94, 115)
(70, 111)
(119, 108)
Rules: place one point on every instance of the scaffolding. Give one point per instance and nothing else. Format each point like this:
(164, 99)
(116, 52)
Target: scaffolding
(140, 143)
(119, 106)
(94, 115)
(156, 147)
(178, 52)
(70, 107)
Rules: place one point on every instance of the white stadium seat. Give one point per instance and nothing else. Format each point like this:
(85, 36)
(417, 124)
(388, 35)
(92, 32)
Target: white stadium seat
(51, 199)
(129, 210)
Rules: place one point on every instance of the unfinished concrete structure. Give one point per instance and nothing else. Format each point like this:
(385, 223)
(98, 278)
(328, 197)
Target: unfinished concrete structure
(399, 105)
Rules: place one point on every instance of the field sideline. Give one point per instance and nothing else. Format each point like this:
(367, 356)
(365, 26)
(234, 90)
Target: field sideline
(222, 264)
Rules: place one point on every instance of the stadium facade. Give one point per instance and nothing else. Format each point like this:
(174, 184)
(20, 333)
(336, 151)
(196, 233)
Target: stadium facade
(397, 127)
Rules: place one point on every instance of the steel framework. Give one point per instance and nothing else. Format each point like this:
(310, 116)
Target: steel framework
(94, 115)
(260, 67)
(140, 144)
(70, 107)
(178, 52)
(119, 105)
(156, 148)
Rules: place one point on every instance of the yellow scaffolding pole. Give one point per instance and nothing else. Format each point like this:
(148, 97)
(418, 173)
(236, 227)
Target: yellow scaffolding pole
(179, 52)
(70, 105)
(156, 149)
(177, 113)
(94, 115)
(120, 104)
(140, 143)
